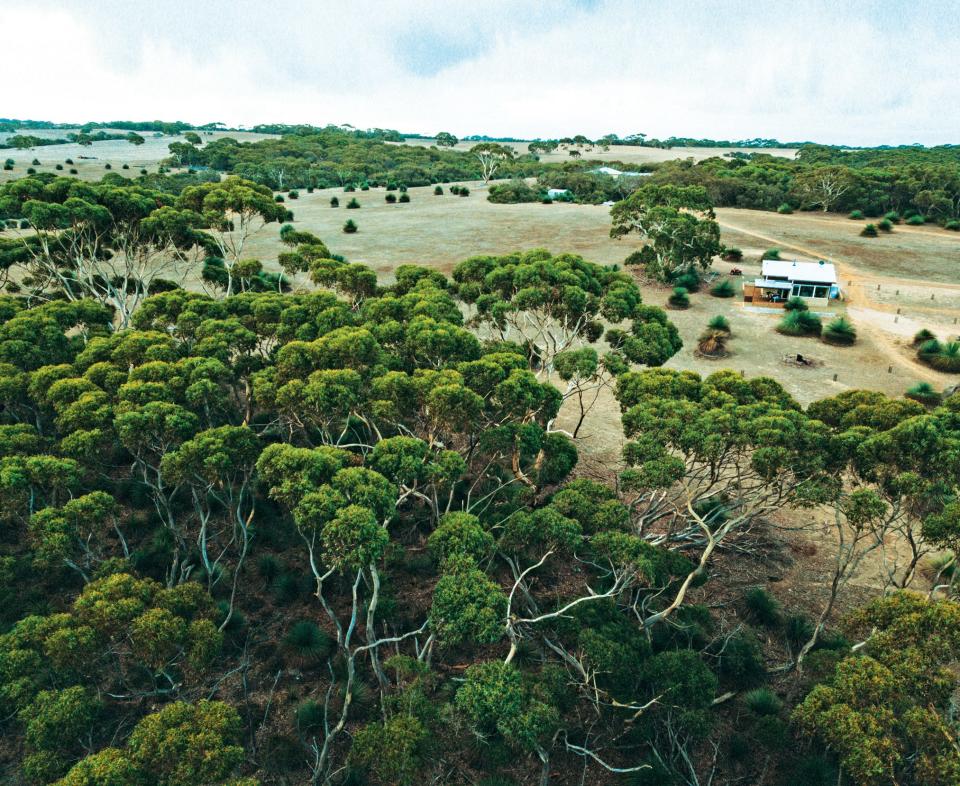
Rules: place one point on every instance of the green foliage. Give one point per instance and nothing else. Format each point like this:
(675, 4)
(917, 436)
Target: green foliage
(785, 209)
(513, 191)
(353, 204)
(762, 607)
(885, 225)
(719, 322)
(795, 303)
(307, 642)
(731, 254)
(679, 298)
(925, 393)
(762, 701)
(723, 288)
(467, 605)
(839, 331)
(800, 323)
(350, 227)
(869, 230)
(771, 253)
(856, 215)
(916, 220)
(943, 357)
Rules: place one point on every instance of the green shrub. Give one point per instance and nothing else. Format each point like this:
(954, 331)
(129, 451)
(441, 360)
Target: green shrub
(922, 336)
(309, 717)
(840, 332)
(785, 209)
(8, 165)
(771, 253)
(464, 191)
(893, 217)
(390, 198)
(349, 188)
(690, 281)
(294, 194)
(68, 161)
(953, 225)
(350, 227)
(916, 220)
(679, 298)
(454, 189)
(723, 288)
(925, 393)
(59, 167)
(741, 660)
(870, 230)
(309, 189)
(279, 198)
(125, 166)
(800, 323)
(24, 224)
(403, 189)
(143, 171)
(365, 187)
(731, 255)
(762, 607)
(35, 162)
(107, 166)
(885, 225)
(856, 215)
(269, 567)
(762, 701)
(307, 642)
(391, 186)
(943, 357)
(719, 322)
(334, 202)
(353, 204)
(404, 197)
(796, 303)
(797, 629)
(438, 190)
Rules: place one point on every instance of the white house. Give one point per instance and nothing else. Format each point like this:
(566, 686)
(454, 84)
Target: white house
(782, 278)
(611, 172)
(557, 193)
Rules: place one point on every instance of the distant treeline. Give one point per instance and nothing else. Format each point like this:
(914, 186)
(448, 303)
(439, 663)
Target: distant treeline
(907, 181)
(334, 156)
(157, 126)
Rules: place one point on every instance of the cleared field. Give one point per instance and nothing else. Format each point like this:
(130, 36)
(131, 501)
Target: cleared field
(439, 231)
(89, 160)
(629, 154)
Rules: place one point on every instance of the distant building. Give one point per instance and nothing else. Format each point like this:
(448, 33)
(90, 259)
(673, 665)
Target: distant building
(781, 279)
(557, 193)
(611, 172)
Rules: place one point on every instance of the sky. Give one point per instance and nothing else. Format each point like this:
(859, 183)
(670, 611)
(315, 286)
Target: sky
(866, 73)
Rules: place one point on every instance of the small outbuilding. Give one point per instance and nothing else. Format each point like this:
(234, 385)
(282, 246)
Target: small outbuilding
(558, 193)
(781, 279)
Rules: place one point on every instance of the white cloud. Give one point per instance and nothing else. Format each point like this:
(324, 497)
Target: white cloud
(724, 69)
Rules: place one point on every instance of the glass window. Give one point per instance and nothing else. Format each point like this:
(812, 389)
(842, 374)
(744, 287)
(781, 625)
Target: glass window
(806, 291)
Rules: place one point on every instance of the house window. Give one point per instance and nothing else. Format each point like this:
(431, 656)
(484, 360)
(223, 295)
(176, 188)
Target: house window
(820, 291)
(805, 290)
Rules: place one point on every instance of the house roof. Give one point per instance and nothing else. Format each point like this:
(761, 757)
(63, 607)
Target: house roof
(817, 272)
(766, 283)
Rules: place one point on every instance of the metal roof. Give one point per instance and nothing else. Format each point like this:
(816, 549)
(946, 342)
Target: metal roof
(765, 283)
(817, 272)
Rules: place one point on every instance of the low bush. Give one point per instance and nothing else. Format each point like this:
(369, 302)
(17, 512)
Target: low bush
(885, 225)
(68, 161)
(719, 322)
(690, 281)
(454, 190)
(856, 215)
(107, 166)
(925, 393)
(59, 167)
(731, 255)
(762, 607)
(390, 198)
(785, 209)
(334, 202)
(922, 336)
(36, 162)
(404, 197)
(762, 701)
(893, 217)
(309, 189)
(513, 192)
(953, 225)
(31, 170)
(350, 227)
(840, 332)
(307, 642)
(796, 303)
(943, 357)
(294, 194)
(279, 198)
(349, 188)
(464, 191)
(870, 230)
(723, 288)
(800, 323)
(679, 298)
(353, 204)
(143, 171)
(365, 187)
(125, 166)
(403, 188)
(438, 190)
(916, 220)
(771, 253)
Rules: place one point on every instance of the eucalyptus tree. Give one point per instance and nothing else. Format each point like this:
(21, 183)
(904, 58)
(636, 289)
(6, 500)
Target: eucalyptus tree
(678, 224)
(107, 242)
(491, 156)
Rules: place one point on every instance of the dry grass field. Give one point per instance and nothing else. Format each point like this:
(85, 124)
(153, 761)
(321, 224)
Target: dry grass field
(439, 231)
(89, 160)
(628, 154)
